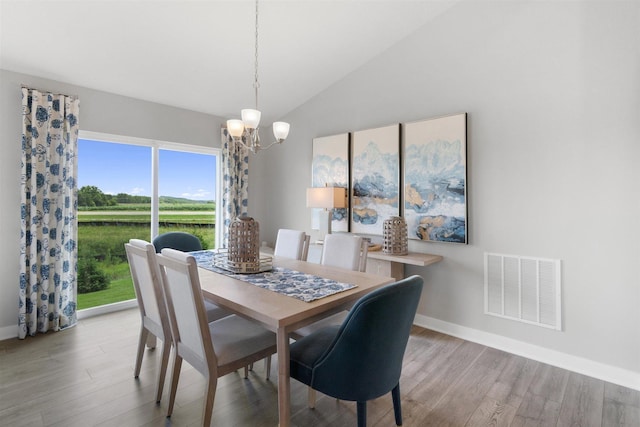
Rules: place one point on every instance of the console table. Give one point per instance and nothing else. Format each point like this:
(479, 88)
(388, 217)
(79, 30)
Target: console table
(384, 264)
(393, 265)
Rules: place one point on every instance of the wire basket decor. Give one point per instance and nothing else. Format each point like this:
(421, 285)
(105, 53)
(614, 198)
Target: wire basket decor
(395, 236)
(244, 244)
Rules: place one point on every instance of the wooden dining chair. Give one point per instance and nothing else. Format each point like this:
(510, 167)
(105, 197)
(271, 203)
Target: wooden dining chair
(361, 359)
(153, 313)
(213, 349)
(154, 323)
(292, 244)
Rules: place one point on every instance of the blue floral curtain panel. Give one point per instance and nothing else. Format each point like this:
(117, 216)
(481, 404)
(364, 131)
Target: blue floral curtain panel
(48, 250)
(235, 173)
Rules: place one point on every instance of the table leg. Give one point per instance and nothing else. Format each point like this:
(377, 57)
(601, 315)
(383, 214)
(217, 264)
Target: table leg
(284, 382)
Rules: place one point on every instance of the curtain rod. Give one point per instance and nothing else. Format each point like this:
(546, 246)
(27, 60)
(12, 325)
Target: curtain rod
(25, 86)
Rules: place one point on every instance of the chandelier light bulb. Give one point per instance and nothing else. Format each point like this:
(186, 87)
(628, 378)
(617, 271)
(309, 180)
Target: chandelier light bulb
(280, 131)
(250, 118)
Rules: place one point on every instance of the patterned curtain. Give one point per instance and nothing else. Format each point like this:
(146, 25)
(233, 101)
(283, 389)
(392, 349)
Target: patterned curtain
(48, 252)
(235, 172)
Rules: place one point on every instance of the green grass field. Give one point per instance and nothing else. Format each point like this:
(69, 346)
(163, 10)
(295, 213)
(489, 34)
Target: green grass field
(105, 243)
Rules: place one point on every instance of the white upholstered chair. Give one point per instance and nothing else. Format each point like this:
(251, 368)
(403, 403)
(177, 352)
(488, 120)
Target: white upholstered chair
(151, 303)
(292, 244)
(213, 349)
(345, 251)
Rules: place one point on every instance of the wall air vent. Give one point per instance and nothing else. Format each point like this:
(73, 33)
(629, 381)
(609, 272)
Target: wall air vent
(523, 289)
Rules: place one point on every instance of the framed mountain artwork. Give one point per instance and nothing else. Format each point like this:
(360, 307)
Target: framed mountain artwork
(435, 179)
(375, 178)
(330, 167)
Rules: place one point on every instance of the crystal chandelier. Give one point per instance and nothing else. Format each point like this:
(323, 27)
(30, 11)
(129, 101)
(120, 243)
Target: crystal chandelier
(245, 131)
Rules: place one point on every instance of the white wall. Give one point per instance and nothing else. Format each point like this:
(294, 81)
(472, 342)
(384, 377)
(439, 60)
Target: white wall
(553, 95)
(99, 112)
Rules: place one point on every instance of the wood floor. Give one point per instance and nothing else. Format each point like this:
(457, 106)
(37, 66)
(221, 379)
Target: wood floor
(84, 377)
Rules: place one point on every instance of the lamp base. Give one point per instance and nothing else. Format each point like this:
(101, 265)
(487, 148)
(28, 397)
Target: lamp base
(325, 218)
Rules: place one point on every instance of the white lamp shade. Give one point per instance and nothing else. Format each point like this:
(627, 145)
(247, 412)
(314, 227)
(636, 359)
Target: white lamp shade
(326, 197)
(250, 118)
(235, 128)
(280, 130)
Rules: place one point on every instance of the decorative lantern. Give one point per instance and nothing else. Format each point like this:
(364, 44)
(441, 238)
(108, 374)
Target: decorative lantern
(395, 236)
(244, 244)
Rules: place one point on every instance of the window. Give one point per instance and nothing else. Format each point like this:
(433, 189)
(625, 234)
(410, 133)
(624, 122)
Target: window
(137, 188)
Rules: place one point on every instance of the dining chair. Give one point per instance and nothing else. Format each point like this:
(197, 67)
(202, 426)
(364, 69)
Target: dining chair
(361, 359)
(179, 240)
(292, 244)
(153, 313)
(345, 251)
(146, 277)
(213, 349)
(339, 250)
(187, 242)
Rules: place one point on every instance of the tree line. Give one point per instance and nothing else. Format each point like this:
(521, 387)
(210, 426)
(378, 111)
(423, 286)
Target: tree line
(92, 196)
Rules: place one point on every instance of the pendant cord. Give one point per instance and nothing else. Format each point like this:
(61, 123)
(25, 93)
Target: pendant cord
(256, 85)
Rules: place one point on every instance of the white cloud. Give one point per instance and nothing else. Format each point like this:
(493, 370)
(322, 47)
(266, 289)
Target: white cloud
(199, 194)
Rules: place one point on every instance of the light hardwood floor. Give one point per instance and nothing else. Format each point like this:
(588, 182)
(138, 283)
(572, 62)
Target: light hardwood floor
(84, 377)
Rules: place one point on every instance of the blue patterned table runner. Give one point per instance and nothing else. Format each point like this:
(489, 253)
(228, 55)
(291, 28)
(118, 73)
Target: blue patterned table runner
(305, 287)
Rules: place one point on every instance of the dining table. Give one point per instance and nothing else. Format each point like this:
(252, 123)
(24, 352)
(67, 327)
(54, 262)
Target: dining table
(283, 314)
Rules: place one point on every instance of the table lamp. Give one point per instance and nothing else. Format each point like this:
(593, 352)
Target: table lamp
(327, 198)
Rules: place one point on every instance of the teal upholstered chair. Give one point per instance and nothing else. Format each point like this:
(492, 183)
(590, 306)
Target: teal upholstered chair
(178, 240)
(361, 359)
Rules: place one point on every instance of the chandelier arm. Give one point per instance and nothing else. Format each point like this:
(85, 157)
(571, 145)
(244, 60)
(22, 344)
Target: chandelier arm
(262, 147)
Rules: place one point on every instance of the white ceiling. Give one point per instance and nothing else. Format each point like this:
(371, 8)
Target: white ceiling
(199, 54)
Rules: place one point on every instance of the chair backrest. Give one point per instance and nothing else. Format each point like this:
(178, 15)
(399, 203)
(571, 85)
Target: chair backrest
(178, 240)
(346, 251)
(364, 361)
(187, 313)
(146, 276)
(292, 244)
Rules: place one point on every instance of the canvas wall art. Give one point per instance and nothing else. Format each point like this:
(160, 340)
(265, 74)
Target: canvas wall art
(435, 179)
(330, 166)
(375, 178)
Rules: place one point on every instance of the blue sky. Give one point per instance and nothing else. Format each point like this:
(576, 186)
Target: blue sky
(119, 168)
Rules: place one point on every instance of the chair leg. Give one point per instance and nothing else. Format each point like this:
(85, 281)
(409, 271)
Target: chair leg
(362, 414)
(151, 342)
(246, 372)
(397, 408)
(177, 364)
(141, 342)
(267, 366)
(210, 396)
(311, 398)
(166, 349)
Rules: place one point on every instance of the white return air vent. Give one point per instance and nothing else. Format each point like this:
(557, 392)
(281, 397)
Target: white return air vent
(523, 289)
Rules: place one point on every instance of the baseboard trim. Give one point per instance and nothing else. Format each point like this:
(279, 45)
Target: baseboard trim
(106, 308)
(566, 361)
(8, 332)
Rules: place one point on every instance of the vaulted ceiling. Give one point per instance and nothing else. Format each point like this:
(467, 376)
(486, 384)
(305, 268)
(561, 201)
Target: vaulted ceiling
(198, 54)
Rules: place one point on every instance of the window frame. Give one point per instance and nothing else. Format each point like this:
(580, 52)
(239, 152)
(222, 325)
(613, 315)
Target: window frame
(156, 146)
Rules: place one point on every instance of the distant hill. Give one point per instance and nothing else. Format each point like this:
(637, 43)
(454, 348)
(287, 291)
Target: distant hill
(181, 200)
